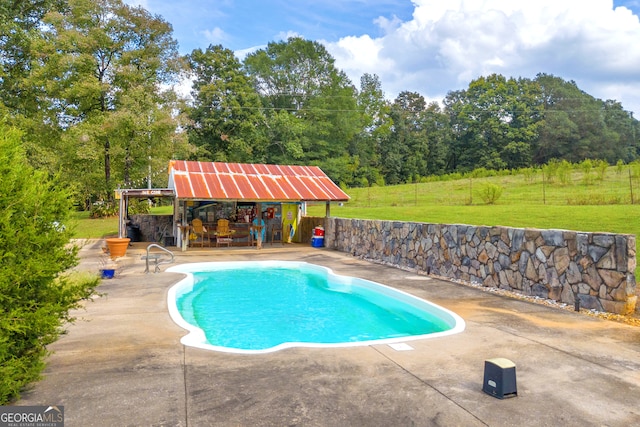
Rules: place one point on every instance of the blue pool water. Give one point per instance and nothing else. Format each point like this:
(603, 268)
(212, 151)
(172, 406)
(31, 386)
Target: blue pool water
(269, 305)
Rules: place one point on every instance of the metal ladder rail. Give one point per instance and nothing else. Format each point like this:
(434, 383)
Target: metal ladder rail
(156, 257)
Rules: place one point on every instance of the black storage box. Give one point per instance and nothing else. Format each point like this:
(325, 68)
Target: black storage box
(499, 378)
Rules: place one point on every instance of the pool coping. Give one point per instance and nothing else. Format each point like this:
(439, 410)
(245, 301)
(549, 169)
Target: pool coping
(195, 336)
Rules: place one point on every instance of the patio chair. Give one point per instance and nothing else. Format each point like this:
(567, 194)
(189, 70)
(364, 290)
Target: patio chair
(276, 234)
(200, 231)
(223, 234)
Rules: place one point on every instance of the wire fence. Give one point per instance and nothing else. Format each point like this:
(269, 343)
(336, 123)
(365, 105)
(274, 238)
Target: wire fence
(614, 187)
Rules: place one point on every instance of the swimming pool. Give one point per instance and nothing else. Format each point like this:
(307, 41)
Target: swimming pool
(264, 306)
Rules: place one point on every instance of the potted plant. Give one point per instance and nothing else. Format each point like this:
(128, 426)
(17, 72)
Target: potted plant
(107, 268)
(117, 246)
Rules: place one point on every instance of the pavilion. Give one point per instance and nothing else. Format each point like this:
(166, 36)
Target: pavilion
(239, 192)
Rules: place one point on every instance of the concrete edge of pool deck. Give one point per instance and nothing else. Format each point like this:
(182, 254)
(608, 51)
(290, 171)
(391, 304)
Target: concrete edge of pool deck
(121, 363)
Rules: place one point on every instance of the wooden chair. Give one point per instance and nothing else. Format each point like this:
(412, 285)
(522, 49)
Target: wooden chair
(223, 234)
(198, 229)
(276, 229)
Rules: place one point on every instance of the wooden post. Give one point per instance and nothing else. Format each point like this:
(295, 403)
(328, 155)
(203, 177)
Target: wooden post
(631, 185)
(121, 218)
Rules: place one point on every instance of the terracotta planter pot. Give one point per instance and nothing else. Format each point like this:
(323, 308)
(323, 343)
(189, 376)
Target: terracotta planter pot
(117, 246)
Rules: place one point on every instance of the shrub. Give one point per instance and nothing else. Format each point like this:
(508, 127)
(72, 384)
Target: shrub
(550, 170)
(490, 193)
(529, 174)
(34, 252)
(586, 166)
(138, 206)
(104, 210)
(595, 199)
(635, 169)
(564, 172)
(601, 169)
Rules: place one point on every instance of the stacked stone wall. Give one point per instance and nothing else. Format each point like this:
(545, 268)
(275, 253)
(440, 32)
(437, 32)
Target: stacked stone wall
(153, 226)
(595, 268)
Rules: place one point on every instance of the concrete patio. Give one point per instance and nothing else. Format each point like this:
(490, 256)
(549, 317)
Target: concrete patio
(122, 364)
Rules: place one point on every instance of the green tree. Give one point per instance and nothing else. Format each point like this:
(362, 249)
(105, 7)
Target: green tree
(577, 126)
(20, 24)
(299, 76)
(436, 124)
(406, 150)
(284, 132)
(19, 21)
(94, 58)
(226, 117)
(493, 121)
(36, 296)
(623, 133)
(376, 124)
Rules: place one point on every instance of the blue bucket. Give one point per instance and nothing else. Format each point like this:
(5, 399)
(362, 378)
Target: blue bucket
(317, 241)
(107, 273)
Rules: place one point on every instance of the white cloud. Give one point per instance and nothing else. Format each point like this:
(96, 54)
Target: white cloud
(388, 25)
(357, 55)
(446, 44)
(183, 87)
(215, 36)
(285, 35)
(242, 53)
(143, 3)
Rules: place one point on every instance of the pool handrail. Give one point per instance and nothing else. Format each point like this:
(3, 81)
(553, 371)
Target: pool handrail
(156, 257)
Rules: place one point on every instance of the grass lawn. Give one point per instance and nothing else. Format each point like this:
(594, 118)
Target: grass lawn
(93, 228)
(623, 219)
(97, 228)
(578, 204)
(583, 202)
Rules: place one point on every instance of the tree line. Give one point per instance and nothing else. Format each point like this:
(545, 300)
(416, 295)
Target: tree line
(92, 86)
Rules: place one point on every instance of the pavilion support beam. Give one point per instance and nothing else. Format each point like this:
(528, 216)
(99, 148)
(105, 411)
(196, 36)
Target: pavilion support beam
(121, 216)
(328, 210)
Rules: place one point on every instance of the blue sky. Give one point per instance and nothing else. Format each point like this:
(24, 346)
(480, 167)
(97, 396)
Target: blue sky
(434, 46)
(246, 24)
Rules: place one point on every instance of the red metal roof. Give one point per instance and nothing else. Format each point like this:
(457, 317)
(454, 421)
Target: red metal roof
(245, 181)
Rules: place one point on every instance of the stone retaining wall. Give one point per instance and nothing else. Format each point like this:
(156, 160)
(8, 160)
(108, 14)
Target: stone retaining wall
(596, 268)
(154, 227)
